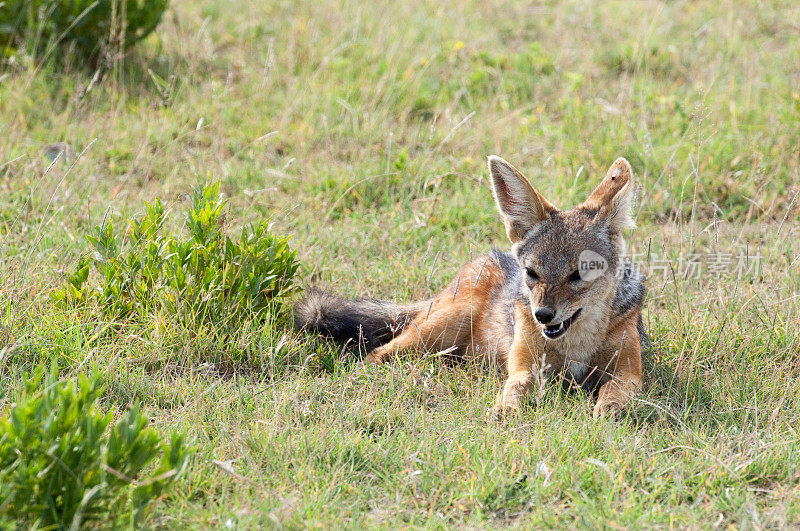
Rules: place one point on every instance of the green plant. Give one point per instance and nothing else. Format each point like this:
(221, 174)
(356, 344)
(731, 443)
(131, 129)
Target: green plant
(89, 27)
(207, 276)
(61, 465)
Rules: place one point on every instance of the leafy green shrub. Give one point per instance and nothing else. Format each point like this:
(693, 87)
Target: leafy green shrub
(61, 465)
(207, 276)
(88, 27)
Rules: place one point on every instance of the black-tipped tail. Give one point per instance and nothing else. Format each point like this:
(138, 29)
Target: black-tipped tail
(365, 323)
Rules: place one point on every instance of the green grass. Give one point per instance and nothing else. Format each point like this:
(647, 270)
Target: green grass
(363, 128)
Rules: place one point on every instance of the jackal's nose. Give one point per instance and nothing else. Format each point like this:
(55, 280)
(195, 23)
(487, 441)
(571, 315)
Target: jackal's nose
(544, 314)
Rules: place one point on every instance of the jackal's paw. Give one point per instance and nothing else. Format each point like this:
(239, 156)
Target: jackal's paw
(502, 411)
(375, 357)
(607, 407)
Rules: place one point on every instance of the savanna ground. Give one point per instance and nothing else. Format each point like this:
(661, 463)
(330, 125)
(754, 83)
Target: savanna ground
(362, 128)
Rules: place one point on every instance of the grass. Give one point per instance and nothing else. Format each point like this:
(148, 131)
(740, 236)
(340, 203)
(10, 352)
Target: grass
(363, 127)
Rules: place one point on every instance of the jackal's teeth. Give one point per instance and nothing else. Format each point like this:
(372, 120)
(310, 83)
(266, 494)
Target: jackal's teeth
(556, 331)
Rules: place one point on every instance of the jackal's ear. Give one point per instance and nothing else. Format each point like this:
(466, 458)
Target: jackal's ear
(520, 204)
(613, 197)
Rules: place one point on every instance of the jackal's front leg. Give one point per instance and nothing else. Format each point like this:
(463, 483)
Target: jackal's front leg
(626, 370)
(521, 377)
(512, 395)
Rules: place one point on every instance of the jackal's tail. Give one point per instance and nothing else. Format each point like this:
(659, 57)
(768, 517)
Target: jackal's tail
(366, 323)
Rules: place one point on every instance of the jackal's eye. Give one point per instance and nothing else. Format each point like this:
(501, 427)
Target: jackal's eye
(531, 273)
(575, 276)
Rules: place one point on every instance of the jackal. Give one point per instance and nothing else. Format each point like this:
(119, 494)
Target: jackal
(564, 302)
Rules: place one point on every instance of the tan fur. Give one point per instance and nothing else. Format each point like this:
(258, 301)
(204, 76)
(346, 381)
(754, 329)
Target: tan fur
(455, 318)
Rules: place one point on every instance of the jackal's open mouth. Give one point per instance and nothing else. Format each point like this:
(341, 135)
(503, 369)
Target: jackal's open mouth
(557, 330)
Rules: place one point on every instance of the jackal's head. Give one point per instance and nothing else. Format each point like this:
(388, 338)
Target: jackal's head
(569, 259)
